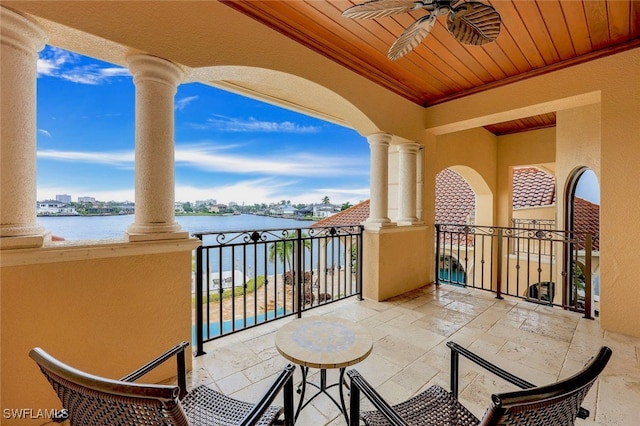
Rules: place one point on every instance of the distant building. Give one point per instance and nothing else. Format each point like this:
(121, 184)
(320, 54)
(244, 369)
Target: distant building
(86, 200)
(54, 208)
(64, 198)
(324, 210)
(217, 208)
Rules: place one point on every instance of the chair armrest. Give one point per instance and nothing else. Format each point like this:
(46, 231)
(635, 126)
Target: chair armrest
(178, 351)
(284, 382)
(457, 350)
(359, 384)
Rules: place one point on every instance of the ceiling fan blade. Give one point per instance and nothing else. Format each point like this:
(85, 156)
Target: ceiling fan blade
(381, 8)
(474, 23)
(412, 36)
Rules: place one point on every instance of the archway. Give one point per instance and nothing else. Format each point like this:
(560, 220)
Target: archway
(462, 198)
(582, 217)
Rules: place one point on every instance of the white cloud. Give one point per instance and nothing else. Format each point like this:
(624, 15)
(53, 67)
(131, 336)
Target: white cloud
(182, 103)
(44, 132)
(230, 124)
(52, 59)
(91, 74)
(211, 159)
(267, 190)
(297, 164)
(118, 159)
(248, 191)
(59, 63)
(358, 192)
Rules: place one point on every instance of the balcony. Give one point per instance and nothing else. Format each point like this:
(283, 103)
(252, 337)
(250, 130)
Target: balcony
(135, 293)
(539, 343)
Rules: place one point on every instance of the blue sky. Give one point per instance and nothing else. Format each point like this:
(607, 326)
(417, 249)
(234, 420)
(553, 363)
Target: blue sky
(228, 147)
(588, 187)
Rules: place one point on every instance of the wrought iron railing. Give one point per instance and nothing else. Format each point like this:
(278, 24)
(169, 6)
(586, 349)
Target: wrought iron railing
(542, 265)
(529, 245)
(247, 278)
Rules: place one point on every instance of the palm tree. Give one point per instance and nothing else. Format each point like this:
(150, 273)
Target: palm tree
(345, 206)
(284, 251)
(325, 200)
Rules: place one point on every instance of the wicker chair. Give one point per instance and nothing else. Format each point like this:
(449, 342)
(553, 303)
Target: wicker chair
(92, 400)
(550, 405)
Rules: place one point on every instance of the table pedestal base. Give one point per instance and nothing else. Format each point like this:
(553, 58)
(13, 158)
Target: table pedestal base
(322, 388)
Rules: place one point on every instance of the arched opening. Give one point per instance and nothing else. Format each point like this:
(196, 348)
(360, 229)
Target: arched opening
(533, 209)
(462, 199)
(582, 217)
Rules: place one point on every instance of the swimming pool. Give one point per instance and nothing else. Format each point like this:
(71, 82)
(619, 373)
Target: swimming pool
(230, 326)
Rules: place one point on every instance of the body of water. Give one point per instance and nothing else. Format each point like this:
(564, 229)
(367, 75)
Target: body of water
(104, 227)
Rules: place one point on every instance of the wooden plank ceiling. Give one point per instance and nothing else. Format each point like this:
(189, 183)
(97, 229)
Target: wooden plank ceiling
(537, 36)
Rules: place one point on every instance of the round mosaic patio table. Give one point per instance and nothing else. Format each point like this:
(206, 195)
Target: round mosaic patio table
(323, 342)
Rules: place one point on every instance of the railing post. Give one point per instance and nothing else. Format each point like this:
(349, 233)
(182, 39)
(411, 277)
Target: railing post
(437, 276)
(499, 266)
(199, 301)
(299, 274)
(587, 277)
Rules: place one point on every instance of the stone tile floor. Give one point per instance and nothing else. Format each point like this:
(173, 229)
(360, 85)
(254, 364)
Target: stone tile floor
(538, 343)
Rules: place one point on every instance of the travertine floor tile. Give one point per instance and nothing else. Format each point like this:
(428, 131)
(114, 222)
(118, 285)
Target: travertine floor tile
(536, 342)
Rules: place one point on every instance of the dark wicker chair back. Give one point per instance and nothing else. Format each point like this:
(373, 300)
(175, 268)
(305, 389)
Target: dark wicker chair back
(557, 404)
(89, 400)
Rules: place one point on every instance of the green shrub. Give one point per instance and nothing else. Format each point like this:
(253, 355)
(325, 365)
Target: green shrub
(215, 297)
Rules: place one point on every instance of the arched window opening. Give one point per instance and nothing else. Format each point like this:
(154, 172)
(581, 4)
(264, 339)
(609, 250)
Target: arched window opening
(582, 216)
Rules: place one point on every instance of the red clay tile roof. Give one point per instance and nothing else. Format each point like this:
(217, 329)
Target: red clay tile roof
(455, 200)
(533, 188)
(354, 215)
(586, 218)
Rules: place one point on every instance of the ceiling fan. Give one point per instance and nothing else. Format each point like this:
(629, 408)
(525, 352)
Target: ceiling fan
(469, 22)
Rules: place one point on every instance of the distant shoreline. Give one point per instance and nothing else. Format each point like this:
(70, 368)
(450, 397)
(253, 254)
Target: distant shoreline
(84, 215)
(185, 214)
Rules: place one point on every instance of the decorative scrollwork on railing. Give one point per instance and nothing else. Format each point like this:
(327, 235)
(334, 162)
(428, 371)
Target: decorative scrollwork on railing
(247, 237)
(335, 231)
(540, 234)
(227, 238)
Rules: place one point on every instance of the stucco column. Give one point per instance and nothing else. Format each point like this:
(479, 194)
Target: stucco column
(21, 40)
(407, 193)
(379, 185)
(156, 83)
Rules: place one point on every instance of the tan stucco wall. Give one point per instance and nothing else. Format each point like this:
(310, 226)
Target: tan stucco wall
(472, 154)
(544, 213)
(578, 146)
(106, 315)
(610, 84)
(402, 261)
(520, 149)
